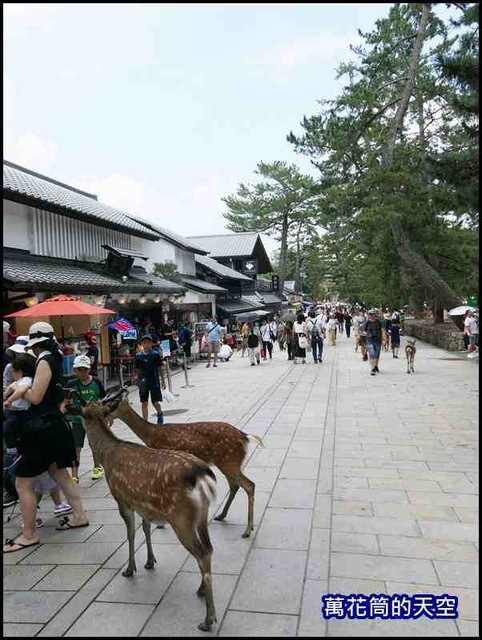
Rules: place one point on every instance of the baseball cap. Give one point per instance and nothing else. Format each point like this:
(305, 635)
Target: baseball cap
(147, 336)
(81, 362)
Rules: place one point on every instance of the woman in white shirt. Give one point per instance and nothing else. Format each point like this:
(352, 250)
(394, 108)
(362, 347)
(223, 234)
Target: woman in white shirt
(265, 332)
(301, 341)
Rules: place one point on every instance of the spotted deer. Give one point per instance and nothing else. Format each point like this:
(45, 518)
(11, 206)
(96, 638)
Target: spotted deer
(157, 484)
(410, 351)
(217, 443)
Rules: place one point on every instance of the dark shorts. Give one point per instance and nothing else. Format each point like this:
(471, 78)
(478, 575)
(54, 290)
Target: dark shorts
(152, 387)
(78, 433)
(395, 343)
(40, 449)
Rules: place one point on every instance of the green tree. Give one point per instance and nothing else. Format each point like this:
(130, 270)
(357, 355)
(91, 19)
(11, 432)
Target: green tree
(379, 141)
(280, 204)
(166, 270)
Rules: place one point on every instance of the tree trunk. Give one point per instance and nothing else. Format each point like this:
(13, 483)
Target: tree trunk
(416, 262)
(298, 263)
(416, 305)
(283, 254)
(438, 312)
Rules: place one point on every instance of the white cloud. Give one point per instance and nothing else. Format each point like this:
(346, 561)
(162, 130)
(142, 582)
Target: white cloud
(32, 152)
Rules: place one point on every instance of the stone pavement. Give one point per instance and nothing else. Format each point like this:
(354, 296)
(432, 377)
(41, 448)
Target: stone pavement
(365, 485)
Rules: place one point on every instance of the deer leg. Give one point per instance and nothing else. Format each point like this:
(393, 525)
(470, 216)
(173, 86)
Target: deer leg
(199, 545)
(233, 490)
(248, 485)
(128, 517)
(151, 559)
(204, 563)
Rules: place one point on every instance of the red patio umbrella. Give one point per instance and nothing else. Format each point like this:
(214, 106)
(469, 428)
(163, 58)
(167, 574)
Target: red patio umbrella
(61, 306)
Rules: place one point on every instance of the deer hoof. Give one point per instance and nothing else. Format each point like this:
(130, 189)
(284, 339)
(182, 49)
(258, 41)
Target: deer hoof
(201, 592)
(219, 517)
(205, 626)
(247, 533)
(150, 564)
(129, 572)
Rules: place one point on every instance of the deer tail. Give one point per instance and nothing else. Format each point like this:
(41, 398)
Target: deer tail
(201, 483)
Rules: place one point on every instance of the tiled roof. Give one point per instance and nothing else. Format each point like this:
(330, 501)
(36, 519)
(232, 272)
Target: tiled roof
(201, 285)
(228, 245)
(65, 276)
(125, 252)
(237, 306)
(220, 270)
(23, 185)
(270, 298)
(257, 300)
(170, 236)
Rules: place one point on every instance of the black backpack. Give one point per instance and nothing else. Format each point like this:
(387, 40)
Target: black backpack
(253, 340)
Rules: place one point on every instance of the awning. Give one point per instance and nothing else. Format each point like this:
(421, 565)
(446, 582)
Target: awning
(201, 285)
(24, 271)
(233, 307)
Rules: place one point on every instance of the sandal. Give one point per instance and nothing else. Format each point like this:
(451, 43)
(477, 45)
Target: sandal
(64, 525)
(11, 542)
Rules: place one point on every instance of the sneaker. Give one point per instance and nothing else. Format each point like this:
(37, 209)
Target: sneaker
(303, 361)
(215, 365)
(365, 358)
(97, 472)
(208, 365)
(76, 480)
(372, 372)
(160, 418)
(8, 500)
(63, 507)
(377, 369)
(471, 355)
(252, 364)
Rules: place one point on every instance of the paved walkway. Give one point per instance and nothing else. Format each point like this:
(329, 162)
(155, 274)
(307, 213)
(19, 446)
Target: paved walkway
(365, 485)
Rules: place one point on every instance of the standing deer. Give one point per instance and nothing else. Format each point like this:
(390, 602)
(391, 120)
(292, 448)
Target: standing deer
(217, 443)
(156, 484)
(410, 351)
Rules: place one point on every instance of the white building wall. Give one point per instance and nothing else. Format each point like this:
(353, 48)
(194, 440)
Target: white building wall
(185, 262)
(17, 226)
(156, 251)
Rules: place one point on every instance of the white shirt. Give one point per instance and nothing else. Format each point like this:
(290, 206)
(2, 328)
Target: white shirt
(299, 327)
(21, 403)
(266, 333)
(471, 326)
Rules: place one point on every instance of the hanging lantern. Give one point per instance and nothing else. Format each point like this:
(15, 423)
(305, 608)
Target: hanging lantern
(121, 299)
(157, 298)
(32, 301)
(142, 299)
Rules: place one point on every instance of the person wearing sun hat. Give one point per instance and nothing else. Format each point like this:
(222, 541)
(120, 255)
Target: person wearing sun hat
(17, 348)
(46, 442)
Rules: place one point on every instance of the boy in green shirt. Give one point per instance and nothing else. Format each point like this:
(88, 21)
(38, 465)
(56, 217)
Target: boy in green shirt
(91, 390)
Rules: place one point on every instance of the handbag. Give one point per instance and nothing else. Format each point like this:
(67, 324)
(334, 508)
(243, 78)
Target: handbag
(302, 341)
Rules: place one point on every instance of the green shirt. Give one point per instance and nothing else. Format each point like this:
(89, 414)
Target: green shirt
(91, 392)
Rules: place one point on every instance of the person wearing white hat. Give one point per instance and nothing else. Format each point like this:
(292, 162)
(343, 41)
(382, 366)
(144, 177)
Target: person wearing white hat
(18, 347)
(46, 442)
(89, 389)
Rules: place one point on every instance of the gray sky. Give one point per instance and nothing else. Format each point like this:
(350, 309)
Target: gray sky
(162, 109)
